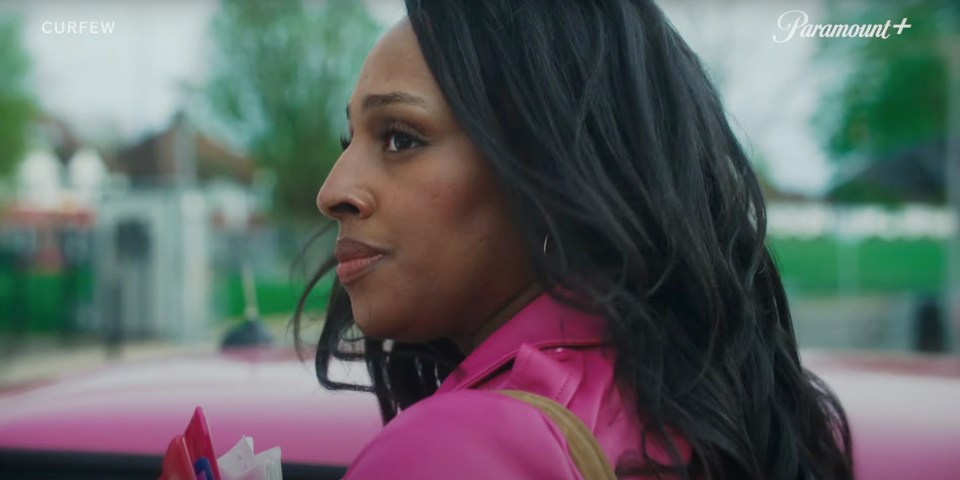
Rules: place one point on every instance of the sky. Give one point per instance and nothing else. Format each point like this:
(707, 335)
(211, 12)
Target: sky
(120, 86)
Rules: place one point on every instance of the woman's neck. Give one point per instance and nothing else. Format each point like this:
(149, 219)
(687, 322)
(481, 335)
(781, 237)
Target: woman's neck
(501, 316)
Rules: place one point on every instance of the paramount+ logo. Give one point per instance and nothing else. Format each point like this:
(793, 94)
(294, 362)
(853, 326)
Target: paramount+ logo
(795, 23)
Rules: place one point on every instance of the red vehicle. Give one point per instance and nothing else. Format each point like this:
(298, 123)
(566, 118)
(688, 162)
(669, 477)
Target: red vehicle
(115, 423)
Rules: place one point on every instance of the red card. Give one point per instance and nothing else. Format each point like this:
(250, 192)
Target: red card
(176, 462)
(199, 443)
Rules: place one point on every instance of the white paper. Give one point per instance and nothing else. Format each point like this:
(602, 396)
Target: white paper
(270, 460)
(240, 463)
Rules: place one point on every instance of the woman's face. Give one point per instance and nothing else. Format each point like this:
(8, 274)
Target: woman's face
(412, 185)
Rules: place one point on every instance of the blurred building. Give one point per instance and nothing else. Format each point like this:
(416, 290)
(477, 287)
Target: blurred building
(126, 240)
(46, 224)
(154, 235)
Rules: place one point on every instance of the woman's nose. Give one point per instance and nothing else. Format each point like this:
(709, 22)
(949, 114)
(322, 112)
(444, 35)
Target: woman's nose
(341, 196)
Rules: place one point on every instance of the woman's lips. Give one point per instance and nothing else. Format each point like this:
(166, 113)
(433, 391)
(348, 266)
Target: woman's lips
(356, 258)
(353, 269)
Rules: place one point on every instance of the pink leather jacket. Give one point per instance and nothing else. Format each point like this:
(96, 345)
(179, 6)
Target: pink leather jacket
(465, 431)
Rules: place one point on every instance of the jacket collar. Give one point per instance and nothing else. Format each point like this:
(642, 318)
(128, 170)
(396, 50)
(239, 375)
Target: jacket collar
(542, 323)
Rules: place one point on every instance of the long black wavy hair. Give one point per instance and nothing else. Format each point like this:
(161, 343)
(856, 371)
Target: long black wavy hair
(606, 133)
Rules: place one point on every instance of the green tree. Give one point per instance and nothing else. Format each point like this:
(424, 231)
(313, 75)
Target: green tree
(893, 96)
(16, 102)
(282, 76)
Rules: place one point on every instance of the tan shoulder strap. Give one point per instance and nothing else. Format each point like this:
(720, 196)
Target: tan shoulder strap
(584, 449)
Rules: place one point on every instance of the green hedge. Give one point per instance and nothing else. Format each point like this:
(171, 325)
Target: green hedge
(808, 266)
(880, 265)
(41, 299)
(46, 305)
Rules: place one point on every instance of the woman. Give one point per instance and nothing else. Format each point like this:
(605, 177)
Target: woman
(545, 196)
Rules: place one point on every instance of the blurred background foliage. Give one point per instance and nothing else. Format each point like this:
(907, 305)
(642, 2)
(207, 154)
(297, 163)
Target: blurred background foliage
(283, 72)
(16, 101)
(885, 117)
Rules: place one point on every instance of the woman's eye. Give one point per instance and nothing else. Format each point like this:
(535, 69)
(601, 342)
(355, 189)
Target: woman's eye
(398, 141)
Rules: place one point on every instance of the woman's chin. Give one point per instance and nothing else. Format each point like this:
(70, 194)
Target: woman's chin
(370, 328)
(377, 330)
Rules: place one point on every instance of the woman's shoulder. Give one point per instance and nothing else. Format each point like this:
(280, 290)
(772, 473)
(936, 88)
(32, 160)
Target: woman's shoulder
(467, 434)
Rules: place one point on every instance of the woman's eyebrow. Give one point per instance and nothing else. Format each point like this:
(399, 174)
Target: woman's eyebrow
(381, 100)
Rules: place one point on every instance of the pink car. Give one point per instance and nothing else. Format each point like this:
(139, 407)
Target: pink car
(115, 423)
(904, 412)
